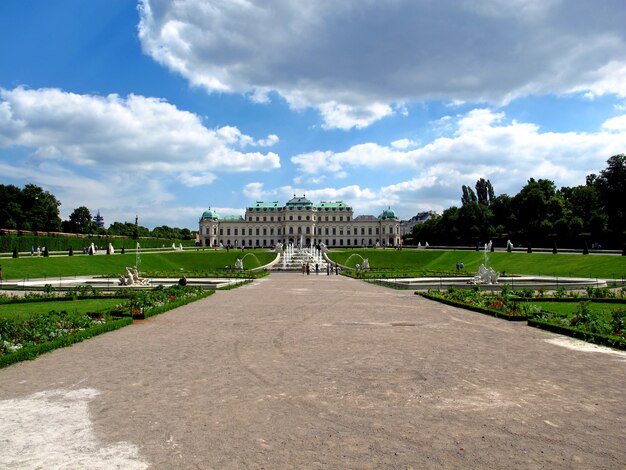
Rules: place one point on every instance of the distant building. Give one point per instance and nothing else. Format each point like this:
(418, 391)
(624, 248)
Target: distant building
(99, 220)
(406, 226)
(267, 223)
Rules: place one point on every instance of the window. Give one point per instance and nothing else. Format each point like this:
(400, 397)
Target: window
(272, 219)
(341, 218)
(272, 232)
(334, 218)
(362, 230)
(264, 219)
(257, 231)
(307, 217)
(291, 217)
(257, 242)
(348, 242)
(228, 232)
(377, 230)
(299, 217)
(290, 230)
(340, 231)
(326, 232)
(257, 219)
(326, 217)
(249, 219)
(264, 242)
(341, 242)
(308, 230)
(369, 232)
(236, 231)
(334, 231)
(243, 231)
(264, 231)
(221, 232)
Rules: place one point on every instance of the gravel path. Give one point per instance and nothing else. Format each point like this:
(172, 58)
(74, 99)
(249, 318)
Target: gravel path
(313, 371)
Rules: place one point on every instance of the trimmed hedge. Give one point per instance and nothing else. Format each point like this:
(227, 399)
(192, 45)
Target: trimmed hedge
(487, 311)
(605, 340)
(175, 304)
(33, 351)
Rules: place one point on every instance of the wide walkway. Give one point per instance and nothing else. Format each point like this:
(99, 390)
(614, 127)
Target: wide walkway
(320, 371)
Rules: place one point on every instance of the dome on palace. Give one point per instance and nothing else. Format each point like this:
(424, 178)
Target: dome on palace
(388, 214)
(209, 215)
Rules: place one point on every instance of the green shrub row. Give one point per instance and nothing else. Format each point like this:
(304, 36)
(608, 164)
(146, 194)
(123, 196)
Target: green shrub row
(176, 303)
(488, 311)
(597, 338)
(23, 243)
(34, 350)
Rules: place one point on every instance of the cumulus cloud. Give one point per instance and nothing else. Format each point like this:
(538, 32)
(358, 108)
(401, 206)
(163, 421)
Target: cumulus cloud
(480, 144)
(357, 62)
(136, 133)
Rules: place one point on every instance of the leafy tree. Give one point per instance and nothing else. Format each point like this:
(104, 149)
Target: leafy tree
(10, 210)
(611, 186)
(484, 191)
(80, 221)
(468, 195)
(40, 209)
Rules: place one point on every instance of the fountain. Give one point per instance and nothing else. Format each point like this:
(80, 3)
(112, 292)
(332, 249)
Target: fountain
(364, 261)
(138, 257)
(240, 261)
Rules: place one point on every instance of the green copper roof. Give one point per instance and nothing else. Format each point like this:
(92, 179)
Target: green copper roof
(265, 206)
(299, 202)
(388, 214)
(232, 217)
(209, 215)
(332, 205)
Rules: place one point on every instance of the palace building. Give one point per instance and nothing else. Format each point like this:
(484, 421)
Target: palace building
(267, 223)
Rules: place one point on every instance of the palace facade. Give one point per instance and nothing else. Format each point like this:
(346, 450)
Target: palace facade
(267, 223)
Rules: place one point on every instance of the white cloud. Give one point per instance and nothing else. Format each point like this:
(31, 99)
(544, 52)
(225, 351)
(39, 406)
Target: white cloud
(254, 191)
(138, 134)
(617, 123)
(482, 144)
(403, 144)
(357, 62)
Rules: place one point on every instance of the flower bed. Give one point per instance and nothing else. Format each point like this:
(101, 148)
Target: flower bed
(26, 339)
(474, 299)
(590, 319)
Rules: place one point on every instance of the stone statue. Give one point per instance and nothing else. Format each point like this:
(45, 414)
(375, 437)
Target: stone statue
(485, 276)
(239, 264)
(366, 264)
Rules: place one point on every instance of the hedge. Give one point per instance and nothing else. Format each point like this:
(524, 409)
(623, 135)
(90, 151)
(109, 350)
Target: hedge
(597, 338)
(54, 242)
(33, 351)
(487, 311)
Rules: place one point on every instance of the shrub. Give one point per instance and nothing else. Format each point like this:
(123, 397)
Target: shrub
(15, 252)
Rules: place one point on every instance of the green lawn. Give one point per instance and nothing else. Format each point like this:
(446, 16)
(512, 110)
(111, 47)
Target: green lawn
(23, 311)
(168, 263)
(570, 308)
(424, 262)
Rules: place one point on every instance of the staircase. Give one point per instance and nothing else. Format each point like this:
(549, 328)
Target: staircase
(295, 261)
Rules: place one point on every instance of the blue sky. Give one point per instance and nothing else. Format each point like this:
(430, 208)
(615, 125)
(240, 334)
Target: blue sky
(162, 108)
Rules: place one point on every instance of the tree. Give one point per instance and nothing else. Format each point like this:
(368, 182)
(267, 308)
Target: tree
(484, 191)
(611, 186)
(40, 209)
(468, 195)
(11, 216)
(80, 221)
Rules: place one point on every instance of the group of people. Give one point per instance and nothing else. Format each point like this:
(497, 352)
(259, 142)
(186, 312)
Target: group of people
(306, 269)
(37, 251)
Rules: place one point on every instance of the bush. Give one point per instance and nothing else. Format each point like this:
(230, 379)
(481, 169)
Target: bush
(15, 252)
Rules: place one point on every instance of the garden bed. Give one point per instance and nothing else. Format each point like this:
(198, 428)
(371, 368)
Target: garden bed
(26, 336)
(593, 318)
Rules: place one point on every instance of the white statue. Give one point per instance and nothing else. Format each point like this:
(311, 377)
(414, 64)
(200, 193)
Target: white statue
(485, 276)
(111, 249)
(279, 247)
(239, 264)
(366, 264)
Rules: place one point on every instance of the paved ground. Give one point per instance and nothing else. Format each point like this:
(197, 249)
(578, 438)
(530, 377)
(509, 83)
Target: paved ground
(317, 372)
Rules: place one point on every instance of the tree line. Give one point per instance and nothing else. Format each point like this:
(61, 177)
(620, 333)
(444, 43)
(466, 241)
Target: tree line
(31, 208)
(593, 214)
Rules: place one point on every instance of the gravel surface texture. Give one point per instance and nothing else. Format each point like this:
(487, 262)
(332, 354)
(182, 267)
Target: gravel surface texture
(298, 371)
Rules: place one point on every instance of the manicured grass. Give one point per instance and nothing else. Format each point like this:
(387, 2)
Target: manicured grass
(571, 308)
(169, 263)
(24, 311)
(407, 263)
